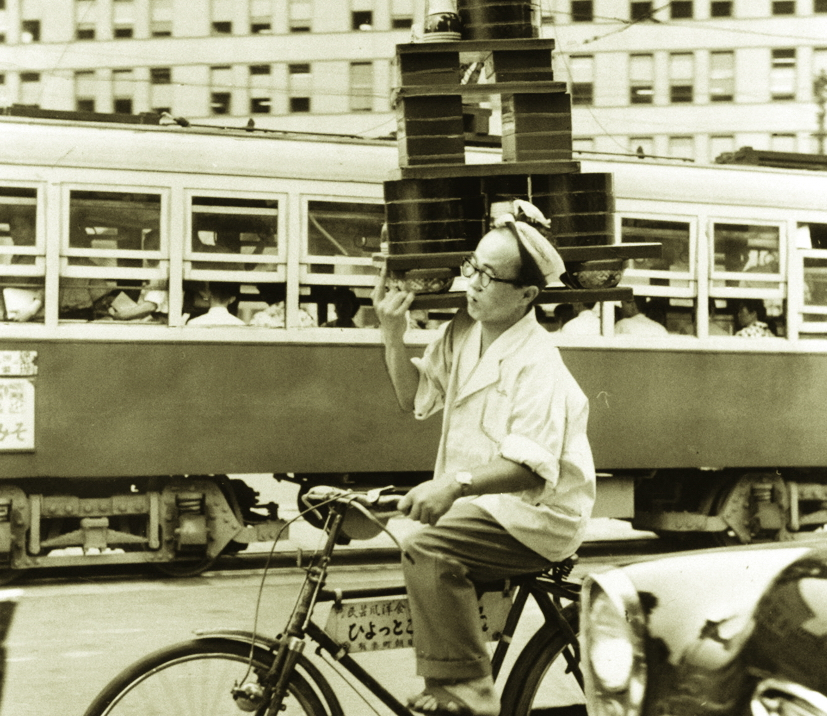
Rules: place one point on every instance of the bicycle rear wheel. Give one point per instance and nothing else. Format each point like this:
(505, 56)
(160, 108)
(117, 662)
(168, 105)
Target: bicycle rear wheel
(538, 684)
(196, 678)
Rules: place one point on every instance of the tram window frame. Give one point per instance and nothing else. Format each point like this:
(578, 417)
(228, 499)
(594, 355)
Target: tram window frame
(759, 284)
(661, 282)
(309, 261)
(242, 275)
(20, 275)
(114, 263)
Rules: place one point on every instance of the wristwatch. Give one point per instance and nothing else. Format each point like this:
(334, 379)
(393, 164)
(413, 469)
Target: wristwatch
(465, 480)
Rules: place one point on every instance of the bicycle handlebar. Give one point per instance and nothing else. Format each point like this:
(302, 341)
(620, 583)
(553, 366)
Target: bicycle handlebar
(382, 500)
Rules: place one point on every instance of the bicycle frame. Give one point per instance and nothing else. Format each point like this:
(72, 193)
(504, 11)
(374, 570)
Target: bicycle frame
(548, 590)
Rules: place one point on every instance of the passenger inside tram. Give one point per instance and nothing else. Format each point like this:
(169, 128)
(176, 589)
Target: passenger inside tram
(751, 314)
(220, 296)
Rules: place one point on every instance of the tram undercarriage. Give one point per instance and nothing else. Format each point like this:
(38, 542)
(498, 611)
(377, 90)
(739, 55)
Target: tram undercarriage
(179, 525)
(731, 506)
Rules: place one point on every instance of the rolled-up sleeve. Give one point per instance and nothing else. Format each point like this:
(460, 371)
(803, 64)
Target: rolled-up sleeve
(546, 430)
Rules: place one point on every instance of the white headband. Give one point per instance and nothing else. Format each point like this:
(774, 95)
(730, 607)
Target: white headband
(537, 245)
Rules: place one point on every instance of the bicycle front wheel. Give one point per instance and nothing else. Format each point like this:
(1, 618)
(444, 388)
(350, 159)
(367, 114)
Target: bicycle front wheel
(196, 678)
(539, 683)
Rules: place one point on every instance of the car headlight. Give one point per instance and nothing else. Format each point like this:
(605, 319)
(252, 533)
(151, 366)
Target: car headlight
(777, 697)
(612, 637)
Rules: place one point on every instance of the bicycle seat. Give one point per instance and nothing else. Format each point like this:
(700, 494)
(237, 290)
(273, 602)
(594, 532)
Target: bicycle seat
(556, 571)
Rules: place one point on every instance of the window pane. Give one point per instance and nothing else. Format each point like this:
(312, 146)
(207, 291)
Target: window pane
(672, 235)
(113, 221)
(344, 229)
(746, 248)
(815, 281)
(721, 76)
(783, 8)
(721, 9)
(582, 11)
(21, 297)
(681, 10)
(234, 227)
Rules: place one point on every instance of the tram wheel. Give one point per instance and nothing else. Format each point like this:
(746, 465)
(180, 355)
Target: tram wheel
(185, 567)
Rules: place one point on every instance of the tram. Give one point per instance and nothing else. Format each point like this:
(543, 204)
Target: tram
(124, 424)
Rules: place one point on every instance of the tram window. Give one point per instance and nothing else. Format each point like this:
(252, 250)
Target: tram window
(674, 266)
(21, 262)
(747, 248)
(342, 236)
(815, 281)
(234, 234)
(115, 258)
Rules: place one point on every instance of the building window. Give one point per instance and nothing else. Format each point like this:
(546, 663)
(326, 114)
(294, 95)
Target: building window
(641, 76)
(300, 68)
(582, 79)
(681, 77)
(720, 144)
(222, 28)
(301, 15)
(123, 32)
(299, 104)
(361, 20)
(721, 76)
(582, 11)
(720, 9)
(85, 90)
(782, 142)
(85, 32)
(160, 75)
(681, 10)
(640, 10)
(401, 23)
(819, 6)
(582, 144)
(161, 29)
(261, 28)
(221, 86)
(782, 75)
(682, 147)
(123, 87)
(220, 102)
(160, 19)
(30, 31)
(260, 101)
(361, 86)
(122, 105)
(783, 8)
(642, 146)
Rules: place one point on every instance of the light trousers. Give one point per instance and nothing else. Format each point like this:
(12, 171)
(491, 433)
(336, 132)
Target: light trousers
(441, 565)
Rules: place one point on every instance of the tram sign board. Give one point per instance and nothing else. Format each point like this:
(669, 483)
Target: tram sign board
(381, 623)
(17, 369)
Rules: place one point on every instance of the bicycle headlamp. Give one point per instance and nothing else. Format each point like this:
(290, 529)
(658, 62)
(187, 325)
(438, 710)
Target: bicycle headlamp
(612, 645)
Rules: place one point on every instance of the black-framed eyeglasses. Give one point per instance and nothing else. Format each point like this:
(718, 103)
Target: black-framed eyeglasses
(469, 268)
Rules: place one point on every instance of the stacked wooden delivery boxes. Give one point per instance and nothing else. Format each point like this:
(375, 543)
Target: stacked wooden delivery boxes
(438, 206)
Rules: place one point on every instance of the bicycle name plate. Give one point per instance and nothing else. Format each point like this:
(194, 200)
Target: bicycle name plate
(380, 623)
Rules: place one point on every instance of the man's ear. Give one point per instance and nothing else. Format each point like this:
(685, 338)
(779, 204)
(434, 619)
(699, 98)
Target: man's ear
(530, 293)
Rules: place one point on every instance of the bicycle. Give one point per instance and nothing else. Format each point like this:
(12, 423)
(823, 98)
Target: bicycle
(223, 672)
